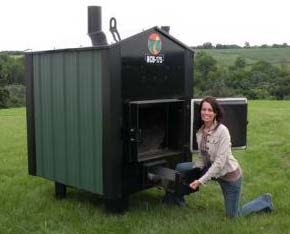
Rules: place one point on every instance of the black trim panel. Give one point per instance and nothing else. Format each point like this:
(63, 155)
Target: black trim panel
(112, 119)
(30, 114)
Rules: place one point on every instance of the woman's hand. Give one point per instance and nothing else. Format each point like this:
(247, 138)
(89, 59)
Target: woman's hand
(195, 184)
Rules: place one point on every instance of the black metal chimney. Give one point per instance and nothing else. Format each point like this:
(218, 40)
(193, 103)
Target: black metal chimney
(166, 28)
(95, 32)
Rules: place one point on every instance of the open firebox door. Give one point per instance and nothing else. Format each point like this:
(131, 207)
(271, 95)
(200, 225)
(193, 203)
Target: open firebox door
(235, 118)
(156, 139)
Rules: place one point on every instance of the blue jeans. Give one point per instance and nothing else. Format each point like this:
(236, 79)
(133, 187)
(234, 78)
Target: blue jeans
(231, 192)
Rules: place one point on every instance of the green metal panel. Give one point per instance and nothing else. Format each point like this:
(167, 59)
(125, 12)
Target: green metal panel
(68, 118)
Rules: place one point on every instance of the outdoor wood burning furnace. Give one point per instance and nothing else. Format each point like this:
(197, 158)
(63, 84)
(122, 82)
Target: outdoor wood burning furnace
(103, 118)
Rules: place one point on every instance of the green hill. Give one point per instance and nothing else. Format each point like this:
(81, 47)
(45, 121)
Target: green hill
(275, 56)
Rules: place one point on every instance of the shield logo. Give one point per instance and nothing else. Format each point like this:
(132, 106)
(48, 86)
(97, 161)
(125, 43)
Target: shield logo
(154, 43)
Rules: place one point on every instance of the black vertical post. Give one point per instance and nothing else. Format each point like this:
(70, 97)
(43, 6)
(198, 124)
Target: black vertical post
(60, 190)
(116, 199)
(30, 114)
(188, 90)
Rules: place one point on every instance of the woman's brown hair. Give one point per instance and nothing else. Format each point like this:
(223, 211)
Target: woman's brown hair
(215, 106)
(217, 109)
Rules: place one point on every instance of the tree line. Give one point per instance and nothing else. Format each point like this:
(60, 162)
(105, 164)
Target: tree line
(260, 80)
(209, 45)
(12, 89)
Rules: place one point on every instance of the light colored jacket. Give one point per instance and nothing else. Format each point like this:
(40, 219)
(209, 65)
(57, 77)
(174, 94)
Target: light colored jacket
(219, 149)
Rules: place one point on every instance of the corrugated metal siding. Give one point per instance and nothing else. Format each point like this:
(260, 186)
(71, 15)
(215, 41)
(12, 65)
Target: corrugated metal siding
(68, 118)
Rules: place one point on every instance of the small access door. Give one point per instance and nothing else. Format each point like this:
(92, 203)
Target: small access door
(235, 118)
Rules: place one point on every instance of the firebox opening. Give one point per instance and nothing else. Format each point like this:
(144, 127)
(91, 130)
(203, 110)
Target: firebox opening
(161, 130)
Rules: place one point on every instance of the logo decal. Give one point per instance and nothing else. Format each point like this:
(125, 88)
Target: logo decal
(154, 43)
(154, 46)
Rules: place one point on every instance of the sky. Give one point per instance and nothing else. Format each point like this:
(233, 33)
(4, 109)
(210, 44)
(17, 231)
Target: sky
(56, 24)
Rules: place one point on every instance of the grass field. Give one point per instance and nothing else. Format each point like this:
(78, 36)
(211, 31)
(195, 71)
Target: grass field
(275, 56)
(28, 204)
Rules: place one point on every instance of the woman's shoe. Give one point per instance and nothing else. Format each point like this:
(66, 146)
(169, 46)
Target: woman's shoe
(268, 199)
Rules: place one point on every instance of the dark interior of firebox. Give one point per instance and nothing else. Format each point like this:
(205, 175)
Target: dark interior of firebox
(161, 129)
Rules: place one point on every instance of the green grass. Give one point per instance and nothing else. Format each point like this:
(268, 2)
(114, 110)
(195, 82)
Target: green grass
(275, 56)
(28, 204)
